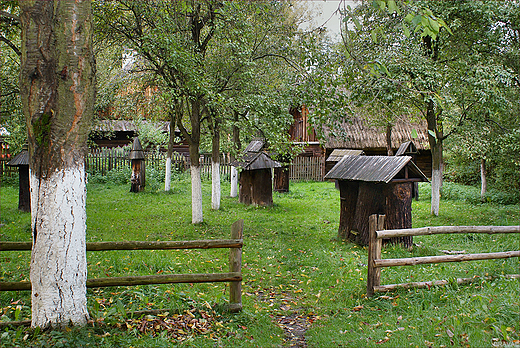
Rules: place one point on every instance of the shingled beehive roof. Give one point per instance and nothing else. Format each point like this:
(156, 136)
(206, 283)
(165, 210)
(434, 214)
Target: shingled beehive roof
(373, 168)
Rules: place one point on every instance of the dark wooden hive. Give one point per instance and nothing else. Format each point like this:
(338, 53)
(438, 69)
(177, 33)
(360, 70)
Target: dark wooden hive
(375, 185)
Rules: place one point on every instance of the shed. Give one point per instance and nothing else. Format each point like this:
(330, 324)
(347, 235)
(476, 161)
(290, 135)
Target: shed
(24, 193)
(375, 185)
(256, 185)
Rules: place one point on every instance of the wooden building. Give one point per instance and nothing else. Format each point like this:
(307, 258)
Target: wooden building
(375, 185)
(256, 186)
(359, 134)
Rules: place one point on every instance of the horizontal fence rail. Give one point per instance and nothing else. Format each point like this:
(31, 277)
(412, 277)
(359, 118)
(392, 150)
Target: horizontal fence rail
(377, 234)
(234, 276)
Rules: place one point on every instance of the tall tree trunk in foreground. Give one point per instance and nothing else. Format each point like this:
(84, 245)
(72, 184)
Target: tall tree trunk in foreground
(436, 149)
(57, 90)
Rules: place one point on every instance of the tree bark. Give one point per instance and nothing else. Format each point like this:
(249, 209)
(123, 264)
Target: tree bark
(437, 161)
(237, 146)
(389, 150)
(168, 169)
(196, 184)
(483, 178)
(215, 167)
(57, 89)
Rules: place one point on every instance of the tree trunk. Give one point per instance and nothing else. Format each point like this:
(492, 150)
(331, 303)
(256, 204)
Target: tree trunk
(237, 146)
(215, 168)
(389, 150)
(57, 91)
(234, 182)
(196, 184)
(483, 177)
(168, 169)
(436, 149)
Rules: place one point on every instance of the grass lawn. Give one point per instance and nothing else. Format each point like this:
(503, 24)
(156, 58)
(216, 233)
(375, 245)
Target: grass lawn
(300, 282)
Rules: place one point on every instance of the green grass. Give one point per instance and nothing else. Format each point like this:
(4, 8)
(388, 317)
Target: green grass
(293, 265)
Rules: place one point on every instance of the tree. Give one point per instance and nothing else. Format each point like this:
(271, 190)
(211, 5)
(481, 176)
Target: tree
(207, 55)
(11, 115)
(432, 65)
(57, 89)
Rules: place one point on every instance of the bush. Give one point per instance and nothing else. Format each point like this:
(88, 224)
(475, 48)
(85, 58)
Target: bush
(471, 194)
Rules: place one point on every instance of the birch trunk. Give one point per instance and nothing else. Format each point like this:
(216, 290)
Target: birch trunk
(57, 91)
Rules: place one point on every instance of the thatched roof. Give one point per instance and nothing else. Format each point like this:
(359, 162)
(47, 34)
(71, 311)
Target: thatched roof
(125, 126)
(359, 134)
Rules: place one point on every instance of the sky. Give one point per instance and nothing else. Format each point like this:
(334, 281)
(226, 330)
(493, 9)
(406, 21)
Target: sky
(332, 22)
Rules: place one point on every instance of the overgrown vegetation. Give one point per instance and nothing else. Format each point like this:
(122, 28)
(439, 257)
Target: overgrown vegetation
(295, 273)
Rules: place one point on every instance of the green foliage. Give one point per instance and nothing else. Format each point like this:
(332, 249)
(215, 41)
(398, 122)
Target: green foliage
(471, 194)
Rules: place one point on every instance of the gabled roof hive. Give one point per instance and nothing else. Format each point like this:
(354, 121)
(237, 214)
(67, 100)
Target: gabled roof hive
(374, 168)
(254, 158)
(407, 148)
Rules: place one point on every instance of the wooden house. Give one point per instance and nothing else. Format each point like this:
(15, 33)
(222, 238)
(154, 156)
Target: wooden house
(375, 185)
(358, 134)
(256, 186)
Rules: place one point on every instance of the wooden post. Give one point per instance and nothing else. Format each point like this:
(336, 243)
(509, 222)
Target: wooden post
(375, 223)
(235, 265)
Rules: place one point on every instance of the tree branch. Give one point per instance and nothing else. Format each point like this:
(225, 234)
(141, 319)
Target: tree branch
(11, 45)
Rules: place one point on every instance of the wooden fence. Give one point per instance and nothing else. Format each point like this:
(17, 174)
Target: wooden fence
(103, 160)
(377, 234)
(307, 169)
(234, 276)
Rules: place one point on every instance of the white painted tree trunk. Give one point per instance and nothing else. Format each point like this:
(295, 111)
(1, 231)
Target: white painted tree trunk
(234, 182)
(215, 185)
(168, 174)
(196, 195)
(58, 260)
(436, 191)
(483, 177)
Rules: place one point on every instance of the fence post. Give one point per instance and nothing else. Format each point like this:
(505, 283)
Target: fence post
(235, 265)
(375, 223)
